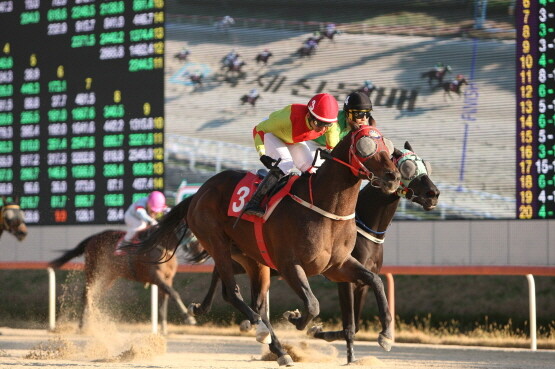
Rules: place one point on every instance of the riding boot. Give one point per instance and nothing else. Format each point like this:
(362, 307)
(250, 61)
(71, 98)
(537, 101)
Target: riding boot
(121, 247)
(254, 207)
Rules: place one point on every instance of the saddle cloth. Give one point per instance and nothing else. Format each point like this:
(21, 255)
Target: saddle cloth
(244, 191)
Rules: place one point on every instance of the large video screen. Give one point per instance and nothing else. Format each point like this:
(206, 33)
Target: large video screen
(468, 84)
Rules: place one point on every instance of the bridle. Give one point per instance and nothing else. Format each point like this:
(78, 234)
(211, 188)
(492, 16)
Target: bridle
(356, 160)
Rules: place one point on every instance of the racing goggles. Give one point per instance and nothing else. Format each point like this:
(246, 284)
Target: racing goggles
(359, 114)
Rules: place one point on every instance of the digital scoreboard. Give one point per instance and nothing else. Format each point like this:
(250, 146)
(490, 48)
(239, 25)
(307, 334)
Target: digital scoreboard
(81, 107)
(535, 140)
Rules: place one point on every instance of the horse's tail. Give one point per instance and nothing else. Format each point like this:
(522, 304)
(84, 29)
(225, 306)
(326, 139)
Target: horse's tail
(77, 251)
(196, 254)
(164, 235)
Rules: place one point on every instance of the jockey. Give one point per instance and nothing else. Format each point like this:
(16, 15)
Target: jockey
(230, 58)
(357, 112)
(140, 215)
(368, 84)
(330, 28)
(253, 94)
(457, 80)
(283, 135)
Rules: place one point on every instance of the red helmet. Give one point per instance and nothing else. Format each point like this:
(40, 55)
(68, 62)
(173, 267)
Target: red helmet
(156, 201)
(324, 107)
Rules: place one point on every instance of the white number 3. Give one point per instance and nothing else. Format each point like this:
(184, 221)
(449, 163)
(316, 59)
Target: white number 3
(238, 205)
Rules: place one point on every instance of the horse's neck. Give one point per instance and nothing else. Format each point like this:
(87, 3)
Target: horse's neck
(376, 209)
(334, 188)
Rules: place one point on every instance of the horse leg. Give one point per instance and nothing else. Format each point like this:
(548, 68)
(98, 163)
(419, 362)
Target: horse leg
(196, 309)
(297, 280)
(163, 311)
(346, 301)
(169, 290)
(354, 272)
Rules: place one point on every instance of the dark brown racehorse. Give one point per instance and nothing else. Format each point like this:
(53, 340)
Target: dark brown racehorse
(375, 211)
(453, 86)
(102, 268)
(301, 240)
(12, 219)
(436, 75)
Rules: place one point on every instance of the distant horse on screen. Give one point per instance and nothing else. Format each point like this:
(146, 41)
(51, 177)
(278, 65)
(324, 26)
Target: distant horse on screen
(12, 219)
(102, 268)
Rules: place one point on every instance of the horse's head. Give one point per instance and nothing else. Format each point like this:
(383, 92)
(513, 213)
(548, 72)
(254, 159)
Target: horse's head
(370, 158)
(13, 219)
(416, 183)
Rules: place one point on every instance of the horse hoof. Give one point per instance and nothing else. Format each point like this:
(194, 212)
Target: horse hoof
(245, 326)
(190, 320)
(313, 330)
(285, 360)
(263, 333)
(292, 314)
(385, 343)
(192, 308)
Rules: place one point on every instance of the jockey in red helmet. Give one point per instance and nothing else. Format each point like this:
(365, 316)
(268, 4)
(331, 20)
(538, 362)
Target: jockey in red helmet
(283, 135)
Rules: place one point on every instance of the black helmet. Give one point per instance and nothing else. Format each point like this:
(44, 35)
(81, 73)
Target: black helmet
(357, 101)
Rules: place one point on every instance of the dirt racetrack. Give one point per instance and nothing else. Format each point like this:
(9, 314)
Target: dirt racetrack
(23, 348)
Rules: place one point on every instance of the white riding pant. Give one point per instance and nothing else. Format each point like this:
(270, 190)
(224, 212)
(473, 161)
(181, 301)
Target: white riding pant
(313, 146)
(133, 225)
(292, 155)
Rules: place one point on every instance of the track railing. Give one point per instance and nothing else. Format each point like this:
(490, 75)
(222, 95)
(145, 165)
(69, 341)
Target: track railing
(388, 271)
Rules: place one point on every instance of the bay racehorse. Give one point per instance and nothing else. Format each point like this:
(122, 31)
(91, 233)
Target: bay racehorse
(436, 75)
(310, 232)
(12, 219)
(453, 86)
(375, 211)
(102, 268)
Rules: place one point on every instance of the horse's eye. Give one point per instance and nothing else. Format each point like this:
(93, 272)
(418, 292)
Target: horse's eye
(366, 146)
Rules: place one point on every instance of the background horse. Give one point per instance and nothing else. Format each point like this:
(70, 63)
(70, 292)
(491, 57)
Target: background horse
(248, 99)
(12, 219)
(375, 211)
(310, 232)
(263, 58)
(452, 86)
(436, 75)
(102, 268)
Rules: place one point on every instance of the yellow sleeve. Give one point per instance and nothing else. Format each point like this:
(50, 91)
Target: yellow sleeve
(332, 136)
(279, 124)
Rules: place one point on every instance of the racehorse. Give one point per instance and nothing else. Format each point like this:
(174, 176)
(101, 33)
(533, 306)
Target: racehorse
(182, 55)
(330, 34)
(249, 99)
(263, 58)
(375, 211)
(310, 232)
(436, 75)
(196, 80)
(453, 86)
(12, 219)
(102, 268)
(224, 24)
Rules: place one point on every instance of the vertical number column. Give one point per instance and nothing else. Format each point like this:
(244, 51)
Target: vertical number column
(57, 145)
(545, 161)
(30, 144)
(526, 109)
(114, 156)
(6, 121)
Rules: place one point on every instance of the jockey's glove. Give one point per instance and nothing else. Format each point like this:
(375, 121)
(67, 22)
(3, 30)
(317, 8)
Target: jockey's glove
(267, 161)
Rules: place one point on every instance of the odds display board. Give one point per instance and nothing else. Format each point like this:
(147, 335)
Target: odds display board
(535, 154)
(81, 107)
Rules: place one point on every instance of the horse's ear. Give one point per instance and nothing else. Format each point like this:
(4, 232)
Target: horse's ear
(397, 153)
(408, 146)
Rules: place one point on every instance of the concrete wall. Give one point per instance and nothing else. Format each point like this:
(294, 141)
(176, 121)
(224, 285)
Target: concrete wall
(408, 243)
